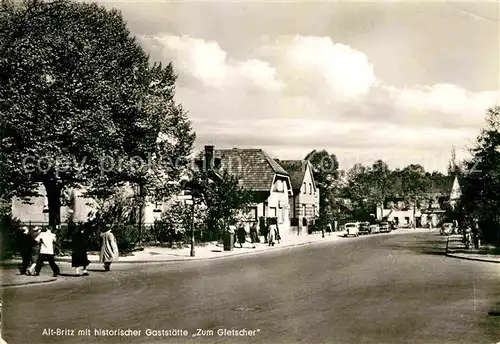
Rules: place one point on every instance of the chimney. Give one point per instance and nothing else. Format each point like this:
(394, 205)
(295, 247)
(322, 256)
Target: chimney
(209, 158)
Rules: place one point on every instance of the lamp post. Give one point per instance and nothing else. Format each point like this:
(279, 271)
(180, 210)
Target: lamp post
(191, 201)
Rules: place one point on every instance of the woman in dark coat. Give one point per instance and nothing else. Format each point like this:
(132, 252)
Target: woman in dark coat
(241, 233)
(79, 256)
(24, 242)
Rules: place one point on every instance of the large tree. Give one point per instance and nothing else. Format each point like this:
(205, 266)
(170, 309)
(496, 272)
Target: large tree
(80, 105)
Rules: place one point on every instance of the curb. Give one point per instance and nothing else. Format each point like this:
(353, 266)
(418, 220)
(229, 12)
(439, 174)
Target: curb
(451, 255)
(192, 259)
(27, 284)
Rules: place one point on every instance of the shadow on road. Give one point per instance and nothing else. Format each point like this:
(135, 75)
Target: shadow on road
(432, 247)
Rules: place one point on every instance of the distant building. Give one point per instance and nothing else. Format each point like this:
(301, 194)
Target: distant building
(442, 191)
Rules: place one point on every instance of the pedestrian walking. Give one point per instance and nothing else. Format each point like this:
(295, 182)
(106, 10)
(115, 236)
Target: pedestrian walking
(278, 236)
(79, 258)
(47, 240)
(264, 230)
(24, 248)
(34, 250)
(329, 228)
(109, 249)
(241, 234)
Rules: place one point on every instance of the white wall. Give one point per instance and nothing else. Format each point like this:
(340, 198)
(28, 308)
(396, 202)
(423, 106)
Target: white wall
(279, 200)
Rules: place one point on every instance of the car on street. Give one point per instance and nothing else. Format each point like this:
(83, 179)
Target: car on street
(384, 227)
(374, 229)
(446, 228)
(364, 228)
(351, 228)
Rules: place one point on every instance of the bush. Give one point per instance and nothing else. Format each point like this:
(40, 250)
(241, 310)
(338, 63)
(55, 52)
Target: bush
(126, 236)
(9, 234)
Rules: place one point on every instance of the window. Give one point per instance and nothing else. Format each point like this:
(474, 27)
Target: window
(303, 210)
(280, 186)
(314, 210)
(252, 213)
(310, 189)
(305, 188)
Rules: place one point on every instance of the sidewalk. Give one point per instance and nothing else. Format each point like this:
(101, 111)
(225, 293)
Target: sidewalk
(11, 277)
(205, 251)
(456, 249)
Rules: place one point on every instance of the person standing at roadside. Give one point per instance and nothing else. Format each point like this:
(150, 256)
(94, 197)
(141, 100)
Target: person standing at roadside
(79, 256)
(254, 235)
(47, 240)
(109, 249)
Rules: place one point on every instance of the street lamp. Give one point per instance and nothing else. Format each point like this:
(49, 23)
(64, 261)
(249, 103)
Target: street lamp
(191, 202)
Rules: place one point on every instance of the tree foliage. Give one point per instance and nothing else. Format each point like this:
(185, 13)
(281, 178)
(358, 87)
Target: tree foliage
(481, 180)
(325, 168)
(80, 105)
(223, 197)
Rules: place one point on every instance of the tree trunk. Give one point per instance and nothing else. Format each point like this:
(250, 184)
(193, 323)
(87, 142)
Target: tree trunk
(141, 213)
(414, 214)
(53, 191)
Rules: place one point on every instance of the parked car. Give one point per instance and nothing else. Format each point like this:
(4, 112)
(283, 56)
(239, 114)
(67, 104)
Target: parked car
(374, 229)
(364, 228)
(351, 228)
(446, 228)
(384, 227)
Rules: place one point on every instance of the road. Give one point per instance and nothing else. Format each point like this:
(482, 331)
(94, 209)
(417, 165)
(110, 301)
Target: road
(390, 288)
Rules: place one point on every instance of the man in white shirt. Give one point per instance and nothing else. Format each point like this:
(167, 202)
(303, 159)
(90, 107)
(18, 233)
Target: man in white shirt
(46, 240)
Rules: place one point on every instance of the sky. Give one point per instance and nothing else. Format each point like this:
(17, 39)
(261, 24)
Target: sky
(398, 81)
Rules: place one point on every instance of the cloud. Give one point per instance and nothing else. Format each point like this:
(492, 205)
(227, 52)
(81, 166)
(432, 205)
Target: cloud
(316, 65)
(296, 93)
(206, 62)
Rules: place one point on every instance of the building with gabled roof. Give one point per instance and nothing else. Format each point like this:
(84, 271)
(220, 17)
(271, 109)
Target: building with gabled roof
(257, 172)
(304, 202)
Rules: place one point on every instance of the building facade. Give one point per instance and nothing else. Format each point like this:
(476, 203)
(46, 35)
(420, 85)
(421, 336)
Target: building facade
(260, 174)
(304, 203)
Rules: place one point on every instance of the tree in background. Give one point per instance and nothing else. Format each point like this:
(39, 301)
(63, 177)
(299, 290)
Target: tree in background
(379, 184)
(326, 174)
(81, 106)
(223, 197)
(358, 191)
(414, 186)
